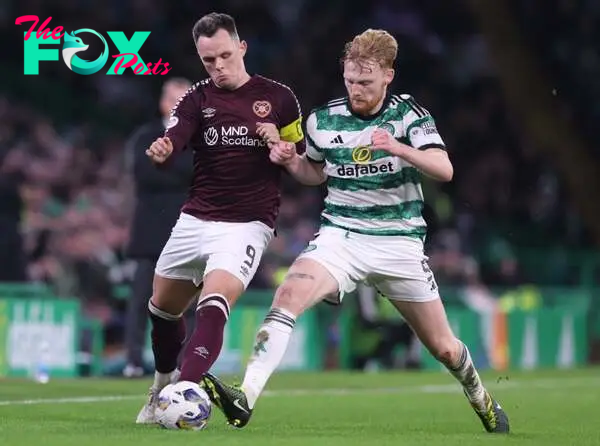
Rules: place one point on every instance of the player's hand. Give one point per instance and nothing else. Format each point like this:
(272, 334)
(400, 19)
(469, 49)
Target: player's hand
(282, 153)
(160, 150)
(268, 132)
(383, 140)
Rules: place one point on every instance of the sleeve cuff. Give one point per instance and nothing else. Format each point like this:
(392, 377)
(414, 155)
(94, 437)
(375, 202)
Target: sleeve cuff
(432, 146)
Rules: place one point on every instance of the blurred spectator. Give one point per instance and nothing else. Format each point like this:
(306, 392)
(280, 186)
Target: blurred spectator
(454, 269)
(159, 195)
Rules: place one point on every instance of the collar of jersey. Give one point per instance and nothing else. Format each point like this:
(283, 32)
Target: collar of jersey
(385, 104)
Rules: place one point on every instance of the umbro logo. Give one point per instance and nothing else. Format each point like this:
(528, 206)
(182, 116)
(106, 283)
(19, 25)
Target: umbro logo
(201, 351)
(208, 112)
(337, 140)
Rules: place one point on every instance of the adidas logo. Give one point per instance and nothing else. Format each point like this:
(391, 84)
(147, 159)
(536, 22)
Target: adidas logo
(337, 140)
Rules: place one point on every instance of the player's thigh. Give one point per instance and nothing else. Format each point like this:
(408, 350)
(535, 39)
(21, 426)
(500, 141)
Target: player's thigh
(306, 283)
(178, 272)
(407, 279)
(399, 270)
(338, 254)
(181, 257)
(234, 254)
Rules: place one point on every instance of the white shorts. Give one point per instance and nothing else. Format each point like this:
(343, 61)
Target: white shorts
(197, 247)
(395, 266)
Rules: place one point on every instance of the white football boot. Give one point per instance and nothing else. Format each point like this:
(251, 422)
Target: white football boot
(161, 380)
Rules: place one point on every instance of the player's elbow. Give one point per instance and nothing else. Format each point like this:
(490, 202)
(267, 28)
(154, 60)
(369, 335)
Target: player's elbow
(437, 165)
(446, 174)
(444, 168)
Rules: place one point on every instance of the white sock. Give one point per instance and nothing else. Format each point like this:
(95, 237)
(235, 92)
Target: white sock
(161, 380)
(271, 342)
(464, 371)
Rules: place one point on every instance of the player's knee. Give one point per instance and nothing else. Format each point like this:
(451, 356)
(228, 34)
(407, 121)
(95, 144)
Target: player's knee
(223, 283)
(172, 296)
(167, 312)
(445, 350)
(288, 298)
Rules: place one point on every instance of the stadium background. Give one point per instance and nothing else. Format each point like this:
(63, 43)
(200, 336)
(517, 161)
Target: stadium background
(514, 87)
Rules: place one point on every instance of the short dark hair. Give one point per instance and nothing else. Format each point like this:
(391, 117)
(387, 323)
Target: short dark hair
(211, 23)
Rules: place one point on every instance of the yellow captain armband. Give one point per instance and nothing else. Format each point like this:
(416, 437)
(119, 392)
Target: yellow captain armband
(292, 132)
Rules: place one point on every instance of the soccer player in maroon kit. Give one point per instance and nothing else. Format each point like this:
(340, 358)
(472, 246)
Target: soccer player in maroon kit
(230, 121)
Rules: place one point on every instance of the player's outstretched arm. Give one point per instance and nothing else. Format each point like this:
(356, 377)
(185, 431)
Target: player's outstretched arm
(299, 166)
(433, 162)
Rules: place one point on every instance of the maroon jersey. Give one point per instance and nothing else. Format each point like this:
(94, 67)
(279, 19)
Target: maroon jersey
(234, 180)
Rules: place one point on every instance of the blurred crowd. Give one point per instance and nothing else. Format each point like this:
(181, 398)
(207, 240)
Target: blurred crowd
(566, 37)
(70, 179)
(72, 205)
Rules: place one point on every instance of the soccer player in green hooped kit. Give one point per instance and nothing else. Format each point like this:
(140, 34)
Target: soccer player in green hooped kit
(371, 147)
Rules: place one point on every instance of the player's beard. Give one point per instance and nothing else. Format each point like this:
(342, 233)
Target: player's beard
(365, 106)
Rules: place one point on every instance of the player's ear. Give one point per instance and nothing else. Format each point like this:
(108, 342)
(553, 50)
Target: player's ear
(388, 75)
(243, 47)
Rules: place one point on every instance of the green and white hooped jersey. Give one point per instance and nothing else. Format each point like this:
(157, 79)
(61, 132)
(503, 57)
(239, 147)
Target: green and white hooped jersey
(370, 191)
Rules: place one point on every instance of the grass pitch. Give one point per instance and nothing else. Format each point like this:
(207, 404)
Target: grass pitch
(339, 409)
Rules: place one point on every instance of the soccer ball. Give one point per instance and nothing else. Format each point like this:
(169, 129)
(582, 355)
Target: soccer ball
(183, 405)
